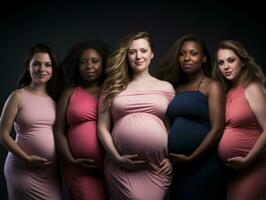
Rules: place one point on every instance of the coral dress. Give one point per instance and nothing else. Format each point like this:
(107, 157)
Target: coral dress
(34, 134)
(83, 142)
(241, 133)
(138, 128)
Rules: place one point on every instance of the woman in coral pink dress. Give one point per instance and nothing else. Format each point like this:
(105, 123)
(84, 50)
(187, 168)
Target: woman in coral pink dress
(76, 124)
(242, 146)
(31, 169)
(131, 125)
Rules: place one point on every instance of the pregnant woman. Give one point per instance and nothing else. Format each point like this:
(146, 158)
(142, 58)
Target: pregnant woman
(131, 125)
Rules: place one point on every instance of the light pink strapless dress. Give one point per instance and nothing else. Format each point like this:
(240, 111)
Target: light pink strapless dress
(241, 133)
(34, 134)
(139, 129)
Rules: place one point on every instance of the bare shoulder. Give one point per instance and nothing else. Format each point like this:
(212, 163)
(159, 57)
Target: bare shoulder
(255, 89)
(214, 85)
(163, 85)
(15, 96)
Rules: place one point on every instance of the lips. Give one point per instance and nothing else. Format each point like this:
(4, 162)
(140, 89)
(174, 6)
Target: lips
(138, 63)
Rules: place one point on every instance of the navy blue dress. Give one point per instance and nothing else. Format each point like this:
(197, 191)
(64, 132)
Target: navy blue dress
(204, 178)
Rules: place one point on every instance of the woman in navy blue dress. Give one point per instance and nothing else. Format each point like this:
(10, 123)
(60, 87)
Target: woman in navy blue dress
(197, 118)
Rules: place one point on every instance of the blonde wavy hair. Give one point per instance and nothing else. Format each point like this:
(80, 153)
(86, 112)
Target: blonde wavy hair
(118, 71)
(251, 72)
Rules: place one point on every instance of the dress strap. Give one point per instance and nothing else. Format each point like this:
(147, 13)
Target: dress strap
(200, 82)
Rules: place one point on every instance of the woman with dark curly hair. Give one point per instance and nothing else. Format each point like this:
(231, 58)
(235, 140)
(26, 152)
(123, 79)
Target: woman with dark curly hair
(76, 123)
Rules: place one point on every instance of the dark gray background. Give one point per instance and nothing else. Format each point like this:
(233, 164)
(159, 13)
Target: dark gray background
(63, 23)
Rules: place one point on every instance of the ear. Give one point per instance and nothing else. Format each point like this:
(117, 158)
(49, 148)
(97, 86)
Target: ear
(152, 55)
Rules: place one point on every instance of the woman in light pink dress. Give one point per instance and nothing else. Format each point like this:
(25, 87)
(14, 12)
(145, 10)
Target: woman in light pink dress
(31, 169)
(242, 146)
(76, 124)
(131, 128)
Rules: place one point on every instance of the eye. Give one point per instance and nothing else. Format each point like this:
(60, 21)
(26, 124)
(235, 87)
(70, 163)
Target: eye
(48, 64)
(143, 50)
(82, 62)
(194, 53)
(131, 52)
(220, 63)
(95, 61)
(181, 53)
(231, 60)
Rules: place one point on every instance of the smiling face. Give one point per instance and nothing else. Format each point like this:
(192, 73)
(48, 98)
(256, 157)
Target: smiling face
(139, 55)
(191, 57)
(90, 65)
(40, 68)
(229, 64)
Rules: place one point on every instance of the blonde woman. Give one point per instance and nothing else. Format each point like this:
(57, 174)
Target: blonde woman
(243, 142)
(131, 125)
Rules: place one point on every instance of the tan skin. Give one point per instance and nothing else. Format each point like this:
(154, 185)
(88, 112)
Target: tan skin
(231, 67)
(191, 59)
(40, 68)
(139, 56)
(90, 67)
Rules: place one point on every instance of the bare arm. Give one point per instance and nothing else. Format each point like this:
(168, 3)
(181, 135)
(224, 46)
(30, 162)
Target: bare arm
(60, 126)
(256, 97)
(8, 116)
(104, 134)
(216, 114)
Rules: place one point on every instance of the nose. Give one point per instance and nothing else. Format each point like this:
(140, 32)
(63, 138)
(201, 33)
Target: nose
(137, 55)
(187, 57)
(41, 67)
(89, 65)
(226, 66)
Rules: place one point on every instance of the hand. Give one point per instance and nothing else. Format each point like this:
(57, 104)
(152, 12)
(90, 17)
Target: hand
(38, 162)
(86, 163)
(237, 162)
(132, 162)
(166, 167)
(179, 158)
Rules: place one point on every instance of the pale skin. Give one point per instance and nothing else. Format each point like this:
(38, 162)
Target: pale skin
(40, 68)
(191, 59)
(90, 67)
(230, 67)
(139, 56)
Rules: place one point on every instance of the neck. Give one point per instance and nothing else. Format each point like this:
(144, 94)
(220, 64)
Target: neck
(92, 85)
(195, 77)
(143, 75)
(38, 89)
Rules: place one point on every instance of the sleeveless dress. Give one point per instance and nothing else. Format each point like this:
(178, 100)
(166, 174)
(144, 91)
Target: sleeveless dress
(34, 134)
(241, 133)
(138, 128)
(82, 113)
(190, 123)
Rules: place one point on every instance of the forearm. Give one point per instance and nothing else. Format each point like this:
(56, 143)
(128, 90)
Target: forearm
(63, 147)
(257, 149)
(207, 144)
(9, 143)
(107, 141)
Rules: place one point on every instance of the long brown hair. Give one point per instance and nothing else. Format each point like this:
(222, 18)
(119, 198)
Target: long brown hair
(54, 85)
(251, 72)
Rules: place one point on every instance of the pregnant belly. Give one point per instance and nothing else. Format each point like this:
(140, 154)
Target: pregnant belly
(235, 143)
(141, 133)
(186, 135)
(40, 143)
(84, 143)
